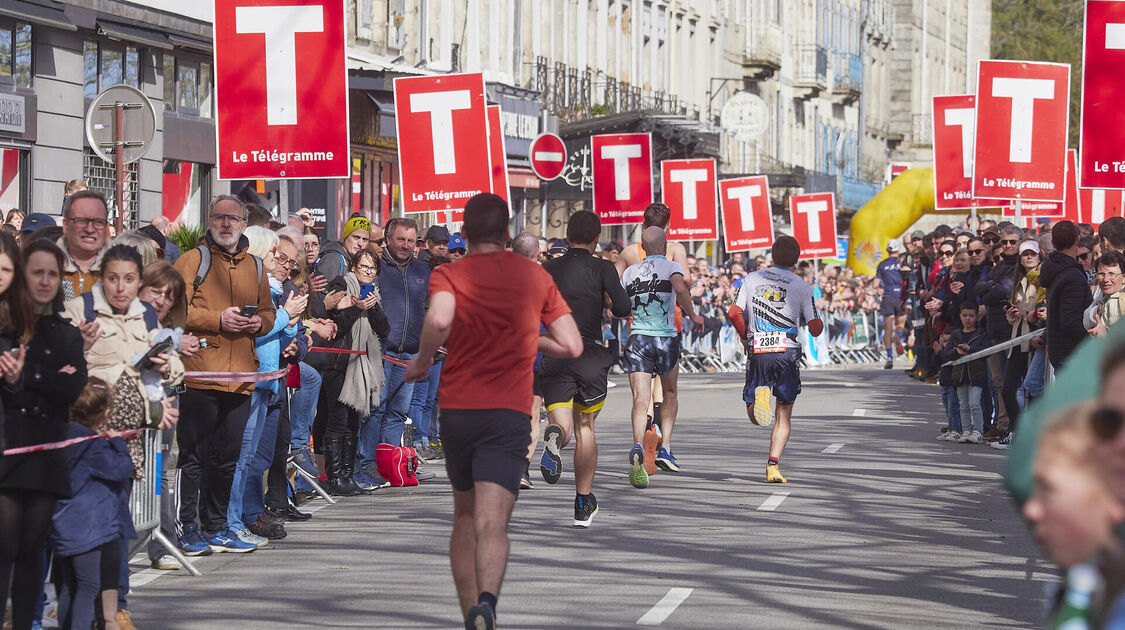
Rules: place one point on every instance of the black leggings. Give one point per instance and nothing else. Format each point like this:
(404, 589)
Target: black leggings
(80, 580)
(25, 521)
(334, 419)
(1015, 369)
(277, 484)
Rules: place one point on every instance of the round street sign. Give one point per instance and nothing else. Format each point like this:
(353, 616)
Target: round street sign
(136, 133)
(548, 156)
(745, 115)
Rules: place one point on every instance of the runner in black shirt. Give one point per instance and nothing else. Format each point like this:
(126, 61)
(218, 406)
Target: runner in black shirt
(575, 389)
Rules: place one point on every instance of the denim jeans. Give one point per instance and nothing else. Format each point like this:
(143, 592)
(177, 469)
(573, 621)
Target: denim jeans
(422, 405)
(302, 407)
(1036, 375)
(952, 408)
(969, 397)
(250, 439)
(253, 500)
(386, 422)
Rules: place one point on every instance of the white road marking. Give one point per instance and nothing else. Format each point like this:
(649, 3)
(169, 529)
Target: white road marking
(859, 412)
(772, 502)
(665, 607)
(144, 577)
(832, 448)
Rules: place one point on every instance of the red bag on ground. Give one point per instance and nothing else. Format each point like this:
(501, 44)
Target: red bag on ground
(397, 464)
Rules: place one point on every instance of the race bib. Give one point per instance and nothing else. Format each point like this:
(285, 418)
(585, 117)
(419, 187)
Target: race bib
(769, 342)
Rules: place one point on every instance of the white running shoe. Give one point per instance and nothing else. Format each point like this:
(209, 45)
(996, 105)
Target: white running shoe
(974, 438)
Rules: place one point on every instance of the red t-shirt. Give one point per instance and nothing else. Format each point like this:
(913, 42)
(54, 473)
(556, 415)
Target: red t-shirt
(500, 300)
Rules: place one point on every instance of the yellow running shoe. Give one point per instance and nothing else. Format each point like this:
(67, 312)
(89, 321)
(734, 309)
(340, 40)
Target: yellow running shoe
(763, 413)
(773, 475)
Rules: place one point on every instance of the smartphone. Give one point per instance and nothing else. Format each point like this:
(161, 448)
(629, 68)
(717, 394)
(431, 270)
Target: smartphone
(145, 362)
(248, 310)
(365, 290)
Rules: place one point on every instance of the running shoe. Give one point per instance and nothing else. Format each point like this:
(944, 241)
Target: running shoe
(971, 438)
(435, 447)
(247, 536)
(888, 365)
(525, 478)
(667, 461)
(950, 436)
(773, 474)
(551, 463)
(191, 543)
(637, 475)
(480, 617)
(584, 510)
(1003, 443)
(224, 541)
(763, 413)
(166, 563)
(651, 442)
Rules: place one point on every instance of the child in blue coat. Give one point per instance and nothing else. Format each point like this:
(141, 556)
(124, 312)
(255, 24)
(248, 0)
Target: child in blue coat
(87, 531)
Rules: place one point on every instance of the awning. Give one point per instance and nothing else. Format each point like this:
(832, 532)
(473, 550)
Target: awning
(191, 43)
(44, 12)
(384, 103)
(683, 136)
(522, 178)
(363, 60)
(135, 34)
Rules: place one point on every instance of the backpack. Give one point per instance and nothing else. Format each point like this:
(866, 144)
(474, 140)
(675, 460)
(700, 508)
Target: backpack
(90, 314)
(205, 266)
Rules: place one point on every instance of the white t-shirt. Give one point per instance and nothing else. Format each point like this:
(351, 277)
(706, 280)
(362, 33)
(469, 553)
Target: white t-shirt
(776, 300)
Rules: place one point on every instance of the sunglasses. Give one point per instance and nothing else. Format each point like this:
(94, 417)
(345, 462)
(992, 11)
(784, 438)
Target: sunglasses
(1085, 256)
(991, 240)
(976, 252)
(947, 252)
(1009, 242)
(1107, 422)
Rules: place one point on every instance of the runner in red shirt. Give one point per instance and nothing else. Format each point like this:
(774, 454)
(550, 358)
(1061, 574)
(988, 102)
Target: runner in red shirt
(487, 308)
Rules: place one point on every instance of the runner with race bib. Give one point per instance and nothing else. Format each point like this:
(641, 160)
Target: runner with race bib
(771, 305)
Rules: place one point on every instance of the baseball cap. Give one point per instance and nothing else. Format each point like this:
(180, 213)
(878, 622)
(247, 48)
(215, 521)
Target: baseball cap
(893, 245)
(1032, 245)
(557, 246)
(36, 220)
(437, 234)
(990, 230)
(456, 242)
(917, 234)
(356, 223)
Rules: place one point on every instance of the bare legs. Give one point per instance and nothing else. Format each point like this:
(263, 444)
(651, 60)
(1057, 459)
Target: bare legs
(478, 547)
(581, 426)
(641, 383)
(780, 435)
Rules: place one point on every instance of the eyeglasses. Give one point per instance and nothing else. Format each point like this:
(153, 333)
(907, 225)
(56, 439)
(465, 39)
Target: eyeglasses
(226, 218)
(84, 222)
(366, 268)
(312, 247)
(1107, 422)
(284, 260)
(1009, 242)
(976, 252)
(947, 252)
(381, 242)
(990, 240)
(1106, 275)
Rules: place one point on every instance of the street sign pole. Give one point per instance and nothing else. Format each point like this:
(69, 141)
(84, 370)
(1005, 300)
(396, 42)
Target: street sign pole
(119, 161)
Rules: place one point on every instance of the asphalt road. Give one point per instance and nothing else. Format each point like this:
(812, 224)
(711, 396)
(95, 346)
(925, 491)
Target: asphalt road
(881, 526)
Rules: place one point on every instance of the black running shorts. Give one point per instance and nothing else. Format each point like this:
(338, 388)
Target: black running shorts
(891, 307)
(485, 445)
(780, 371)
(581, 380)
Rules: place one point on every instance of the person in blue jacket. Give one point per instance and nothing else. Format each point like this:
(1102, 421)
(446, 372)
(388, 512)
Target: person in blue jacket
(88, 527)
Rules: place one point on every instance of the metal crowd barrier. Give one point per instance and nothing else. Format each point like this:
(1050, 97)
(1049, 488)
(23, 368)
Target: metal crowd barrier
(145, 501)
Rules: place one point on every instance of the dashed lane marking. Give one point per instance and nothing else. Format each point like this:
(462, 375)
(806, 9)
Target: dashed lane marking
(832, 448)
(772, 502)
(859, 411)
(665, 607)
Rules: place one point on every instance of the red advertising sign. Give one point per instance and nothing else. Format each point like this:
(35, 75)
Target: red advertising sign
(1103, 92)
(953, 118)
(443, 147)
(1099, 204)
(622, 168)
(1021, 128)
(281, 89)
(1068, 209)
(814, 223)
(688, 189)
(497, 156)
(747, 222)
(548, 156)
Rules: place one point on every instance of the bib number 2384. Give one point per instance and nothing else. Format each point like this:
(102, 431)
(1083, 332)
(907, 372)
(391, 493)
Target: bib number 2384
(769, 342)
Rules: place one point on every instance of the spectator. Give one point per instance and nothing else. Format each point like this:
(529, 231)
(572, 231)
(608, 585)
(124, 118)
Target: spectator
(952, 432)
(15, 218)
(994, 290)
(70, 189)
(969, 378)
(85, 217)
(335, 258)
(311, 245)
(171, 250)
(226, 307)
(306, 216)
(32, 224)
(436, 243)
(149, 249)
(1111, 237)
(1068, 294)
(1021, 312)
(1107, 311)
(457, 248)
(378, 240)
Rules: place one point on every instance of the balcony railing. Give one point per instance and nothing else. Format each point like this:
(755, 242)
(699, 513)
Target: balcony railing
(849, 72)
(812, 67)
(762, 56)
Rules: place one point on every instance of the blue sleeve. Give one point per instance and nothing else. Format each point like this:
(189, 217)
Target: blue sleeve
(109, 460)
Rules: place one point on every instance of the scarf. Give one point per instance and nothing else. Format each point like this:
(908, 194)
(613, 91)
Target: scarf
(363, 378)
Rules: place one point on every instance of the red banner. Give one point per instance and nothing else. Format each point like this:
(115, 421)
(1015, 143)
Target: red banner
(813, 217)
(497, 156)
(953, 118)
(1103, 92)
(688, 189)
(747, 221)
(622, 169)
(1099, 204)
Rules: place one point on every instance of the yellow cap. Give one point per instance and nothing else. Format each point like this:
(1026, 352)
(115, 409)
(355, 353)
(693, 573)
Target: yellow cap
(356, 223)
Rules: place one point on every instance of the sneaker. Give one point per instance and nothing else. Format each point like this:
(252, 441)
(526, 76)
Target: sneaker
(651, 442)
(1003, 443)
(367, 483)
(610, 384)
(992, 435)
(973, 438)
(425, 455)
(125, 620)
(551, 462)
(290, 513)
(637, 475)
(480, 617)
(763, 413)
(223, 541)
(773, 474)
(247, 536)
(667, 461)
(888, 365)
(268, 527)
(584, 510)
(435, 448)
(192, 543)
(424, 475)
(166, 563)
(952, 436)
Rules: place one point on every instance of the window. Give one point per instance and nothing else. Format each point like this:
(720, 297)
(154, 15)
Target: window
(15, 54)
(105, 64)
(188, 86)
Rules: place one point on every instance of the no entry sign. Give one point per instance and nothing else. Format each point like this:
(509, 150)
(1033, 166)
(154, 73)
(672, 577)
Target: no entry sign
(688, 189)
(1021, 130)
(953, 118)
(622, 166)
(443, 146)
(281, 89)
(548, 156)
(747, 221)
(1103, 95)
(814, 223)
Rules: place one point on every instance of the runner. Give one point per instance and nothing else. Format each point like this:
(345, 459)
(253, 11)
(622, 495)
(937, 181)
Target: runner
(654, 286)
(888, 275)
(487, 309)
(575, 389)
(781, 301)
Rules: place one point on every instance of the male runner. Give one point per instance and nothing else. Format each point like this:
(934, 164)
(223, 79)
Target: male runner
(654, 285)
(487, 309)
(575, 389)
(777, 301)
(888, 274)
